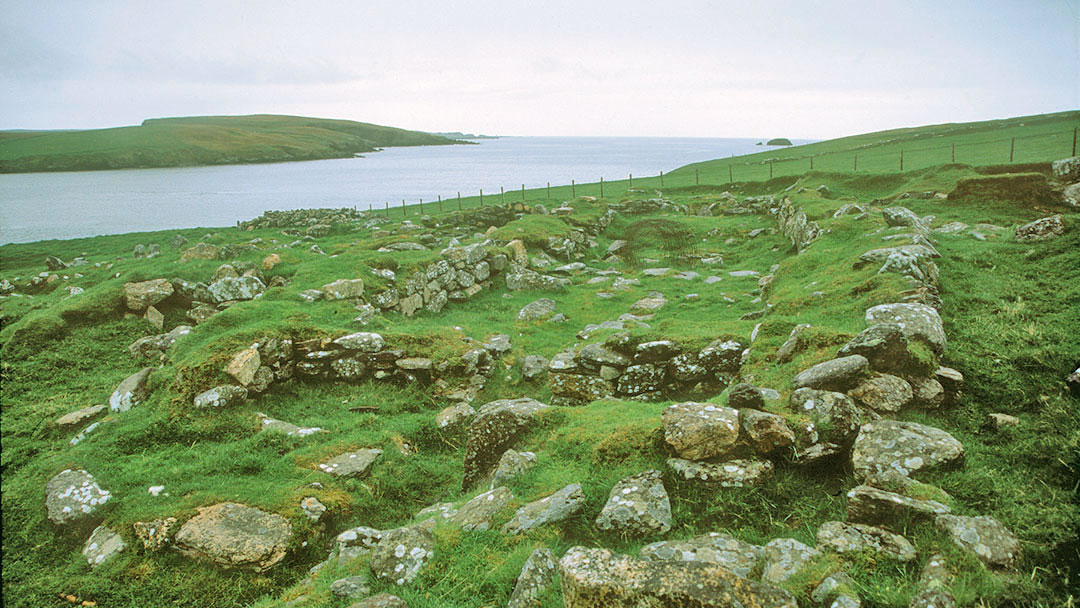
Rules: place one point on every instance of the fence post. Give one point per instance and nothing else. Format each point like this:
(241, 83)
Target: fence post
(601, 187)
(770, 168)
(573, 189)
(901, 160)
(481, 197)
(369, 207)
(421, 206)
(697, 178)
(856, 163)
(440, 203)
(523, 193)
(631, 180)
(388, 208)
(954, 154)
(1012, 148)
(811, 162)
(662, 173)
(1074, 141)
(403, 213)
(730, 175)
(459, 201)
(549, 190)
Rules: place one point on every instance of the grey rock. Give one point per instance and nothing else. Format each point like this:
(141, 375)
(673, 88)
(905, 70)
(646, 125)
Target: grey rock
(72, 498)
(221, 396)
(641, 378)
(832, 587)
(736, 473)
(536, 575)
(139, 296)
(512, 464)
(1067, 170)
(598, 354)
(131, 392)
(576, 388)
(834, 419)
(493, 430)
(356, 543)
(267, 423)
(649, 304)
(477, 513)
(836, 374)
(455, 416)
(843, 537)
(364, 341)
(235, 288)
(901, 216)
(351, 587)
(233, 535)
(721, 356)
(312, 508)
(533, 366)
(536, 310)
(599, 577)
(882, 393)
(401, 554)
(351, 464)
(638, 505)
(883, 344)
(712, 548)
(743, 396)
(698, 431)
(928, 392)
(793, 344)
(784, 557)
(984, 536)
(904, 447)
(103, 545)
(877, 507)
(916, 321)
(765, 432)
(77, 417)
(555, 508)
(1041, 229)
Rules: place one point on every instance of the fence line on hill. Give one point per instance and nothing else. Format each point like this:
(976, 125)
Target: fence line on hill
(903, 158)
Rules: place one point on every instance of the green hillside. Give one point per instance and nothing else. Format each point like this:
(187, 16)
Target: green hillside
(715, 296)
(200, 140)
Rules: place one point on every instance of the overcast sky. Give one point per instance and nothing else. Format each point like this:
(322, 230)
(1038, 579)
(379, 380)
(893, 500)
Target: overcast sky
(812, 69)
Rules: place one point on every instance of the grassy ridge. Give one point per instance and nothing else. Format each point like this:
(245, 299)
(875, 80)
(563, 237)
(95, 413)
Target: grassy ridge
(200, 140)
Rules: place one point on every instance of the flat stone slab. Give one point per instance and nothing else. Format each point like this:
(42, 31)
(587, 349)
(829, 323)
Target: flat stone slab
(836, 374)
(784, 557)
(548, 510)
(843, 537)
(103, 545)
(869, 505)
(235, 535)
(712, 548)
(984, 536)
(904, 447)
(736, 473)
(77, 417)
(494, 428)
(915, 320)
(351, 464)
(267, 423)
(477, 513)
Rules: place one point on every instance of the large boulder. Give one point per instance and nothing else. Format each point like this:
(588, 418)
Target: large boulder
(233, 535)
(550, 509)
(784, 557)
(343, 289)
(230, 289)
(494, 428)
(131, 392)
(72, 499)
(401, 554)
(837, 374)
(700, 430)
(765, 432)
(721, 356)
(1067, 170)
(883, 344)
(638, 505)
(882, 393)
(833, 418)
(915, 321)
(984, 536)
(579, 388)
(592, 578)
(139, 296)
(712, 548)
(904, 447)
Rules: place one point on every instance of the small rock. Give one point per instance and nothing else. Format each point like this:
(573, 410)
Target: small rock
(712, 548)
(843, 537)
(784, 557)
(1001, 421)
(401, 554)
(351, 464)
(838, 374)
(221, 396)
(538, 572)
(79, 416)
(102, 546)
(738, 473)
(984, 536)
(312, 508)
(551, 509)
(511, 465)
(876, 507)
(131, 392)
(350, 587)
(637, 505)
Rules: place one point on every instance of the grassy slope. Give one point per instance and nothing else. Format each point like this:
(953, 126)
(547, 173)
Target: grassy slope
(1010, 314)
(200, 140)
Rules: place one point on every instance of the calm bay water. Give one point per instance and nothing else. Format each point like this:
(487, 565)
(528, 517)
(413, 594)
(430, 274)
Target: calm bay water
(39, 206)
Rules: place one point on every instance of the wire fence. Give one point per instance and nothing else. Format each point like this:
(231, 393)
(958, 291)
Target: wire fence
(876, 157)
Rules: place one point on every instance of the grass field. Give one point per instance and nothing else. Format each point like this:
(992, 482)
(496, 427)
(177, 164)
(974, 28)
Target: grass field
(1010, 311)
(200, 140)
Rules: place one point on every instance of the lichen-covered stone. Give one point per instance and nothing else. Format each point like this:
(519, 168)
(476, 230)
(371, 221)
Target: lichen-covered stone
(784, 557)
(343, 289)
(1041, 229)
(364, 341)
(103, 544)
(592, 578)
(927, 392)
(766, 433)
(512, 464)
(737, 473)
(230, 289)
(579, 389)
(235, 535)
(244, 365)
(905, 447)
(536, 310)
(721, 356)
(984, 536)
(156, 534)
(494, 428)
(131, 392)
(700, 430)
(551, 509)
(351, 464)
(401, 554)
(477, 513)
(72, 498)
(350, 587)
(869, 505)
(139, 296)
(538, 572)
(882, 393)
(381, 600)
(638, 505)
(834, 419)
(641, 378)
(221, 396)
(844, 537)
(455, 416)
(836, 374)
(916, 321)
(712, 548)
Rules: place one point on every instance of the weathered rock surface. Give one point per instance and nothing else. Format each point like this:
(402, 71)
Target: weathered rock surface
(784, 557)
(381, 600)
(905, 447)
(534, 311)
(455, 416)
(916, 321)
(883, 344)
(984, 536)
(883, 393)
(834, 419)
(712, 548)
(638, 505)
(351, 464)
(343, 289)
(844, 537)
(77, 417)
(140, 296)
(836, 374)
(477, 513)
(550, 509)
(131, 392)
(538, 572)
(700, 430)
(592, 578)
(364, 341)
(231, 289)
(496, 425)
(156, 534)
(103, 545)
(737, 473)
(221, 396)
(401, 554)
(235, 535)
(533, 366)
(72, 498)
(512, 464)
(765, 432)
(868, 505)
(351, 587)
(1041, 229)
